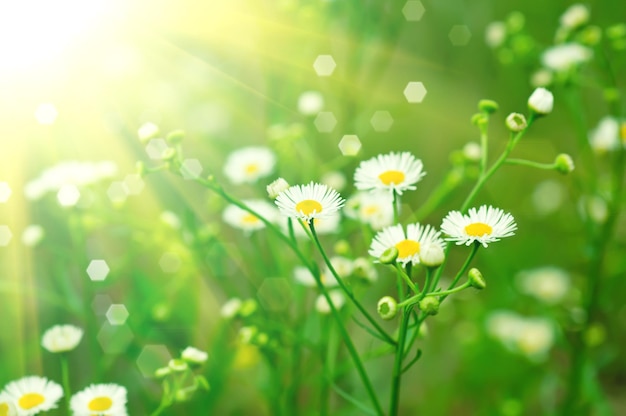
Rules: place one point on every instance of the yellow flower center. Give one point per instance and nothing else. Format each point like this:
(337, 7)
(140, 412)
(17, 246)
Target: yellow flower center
(308, 207)
(407, 248)
(371, 210)
(391, 177)
(249, 219)
(100, 403)
(478, 229)
(4, 409)
(30, 400)
(252, 168)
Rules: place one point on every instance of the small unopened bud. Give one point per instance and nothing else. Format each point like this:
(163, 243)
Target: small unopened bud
(141, 168)
(564, 163)
(162, 372)
(178, 365)
(248, 307)
(480, 120)
(183, 395)
(194, 356)
(389, 256)
(516, 122)
(541, 102)
(387, 307)
(169, 154)
(276, 187)
(476, 279)
(176, 136)
(488, 106)
(432, 255)
(429, 305)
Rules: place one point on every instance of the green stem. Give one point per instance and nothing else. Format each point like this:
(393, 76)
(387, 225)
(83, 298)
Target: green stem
(530, 163)
(397, 364)
(345, 289)
(396, 207)
(450, 291)
(324, 357)
(65, 377)
(461, 271)
(406, 278)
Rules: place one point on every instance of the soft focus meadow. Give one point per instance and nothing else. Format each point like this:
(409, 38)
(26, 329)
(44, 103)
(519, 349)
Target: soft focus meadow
(314, 207)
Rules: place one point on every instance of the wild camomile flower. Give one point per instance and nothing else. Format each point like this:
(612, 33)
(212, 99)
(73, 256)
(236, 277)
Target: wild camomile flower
(194, 355)
(276, 187)
(605, 137)
(396, 172)
(100, 399)
(7, 407)
(33, 394)
(309, 202)
(535, 338)
(548, 284)
(336, 297)
(249, 164)
(562, 57)
(576, 15)
(495, 34)
(61, 338)
(231, 308)
(373, 208)
(239, 218)
(485, 225)
(409, 244)
(303, 276)
(541, 101)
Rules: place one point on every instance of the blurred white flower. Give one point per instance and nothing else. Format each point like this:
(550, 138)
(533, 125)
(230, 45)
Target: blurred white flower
(61, 338)
(310, 103)
(548, 284)
(576, 15)
(605, 137)
(336, 297)
(239, 218)
(230, 308)
(530, 337)
(334, 179)
(249, 164)
(194, 355)
(541, 101)
(100, 399)
(393, 172)
(374, 208)
(32, 235)
(563, 57)
(495, 34)
(32, 395)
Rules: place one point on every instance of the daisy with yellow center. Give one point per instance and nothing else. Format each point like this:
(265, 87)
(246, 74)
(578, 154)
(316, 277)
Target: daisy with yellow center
(248, 164)
(7, 408)
(396, 172)
(242, 219)
(309, 202)
(485, 225)
(409, 244)
(373, 208)
(100, 399)
(33, 394)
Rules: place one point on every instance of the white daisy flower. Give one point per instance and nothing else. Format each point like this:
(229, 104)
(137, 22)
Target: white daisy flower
(33, 394)
(408, 244)
(605, 136)
(231, 308)
(485, 225)
(565, 56)
(100, 399)
(308, 202)
(194, 355)
(373, 208)
(397, 172)
(336, 297)
(303, 276)
(7, 407)
(248, 164)
(61, 338)
(548, 284)
(323, 226)
(535, 338)
(242, 219)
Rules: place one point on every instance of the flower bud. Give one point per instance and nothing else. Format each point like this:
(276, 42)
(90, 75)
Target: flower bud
(488, 106)
(387, 307)
(541, 101)
(576, 16)
(162, 372)
(429, 305)
(169, 154)
(476, 279)
(432, 255)
(176, 136)
(564, 163)
(194, 356)
(516, 122)
(389, 256)
(177, 365)
(248, 307)
(480, 120)
(276, 187)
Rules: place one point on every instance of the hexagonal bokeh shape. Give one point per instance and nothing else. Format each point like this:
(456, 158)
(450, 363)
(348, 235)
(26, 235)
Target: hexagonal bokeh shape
(151, 358)
(413, 10)
(117, 192)
(350, 145)
(5, 235)
(275, 294)
(325, 122)
(98, 270)
(5, 192)
(156, 148)
(68, 195)
(117, 314)
(459, 35)
(191, 169)
(114, 339)
(101, 304)
(134, 184)
(324, 65)
(415, 92)
(170, 262)
(381, 121)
